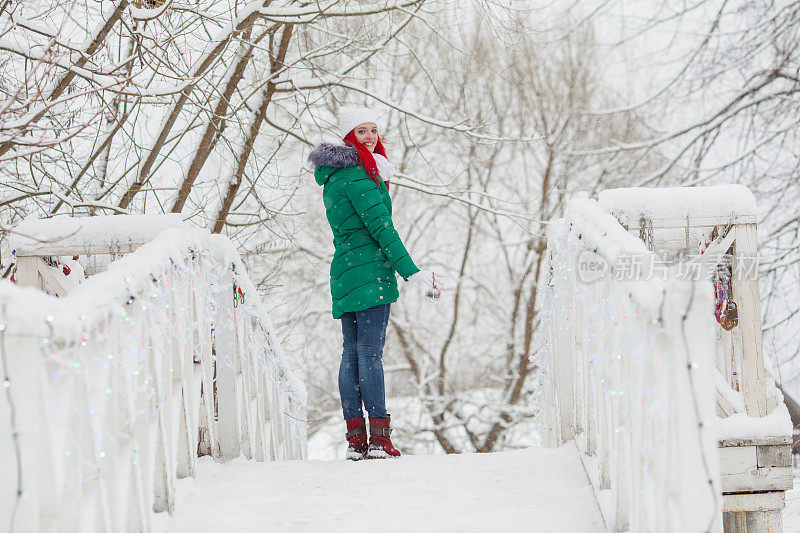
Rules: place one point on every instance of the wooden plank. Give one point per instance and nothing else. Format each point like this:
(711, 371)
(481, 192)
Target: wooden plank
(604, 444)
(738, 459)
(186, 447)
(717, 248)
(758, 479)
(694, 222)
(761, 501)
(776, 399)
(756, 441)
(780, 455)
(51, 280)
(27, 274)
(724, 404)
(740, 472)
(746, 294)
(592, 435)
(47, 250)
(204, 423)
(773, 402)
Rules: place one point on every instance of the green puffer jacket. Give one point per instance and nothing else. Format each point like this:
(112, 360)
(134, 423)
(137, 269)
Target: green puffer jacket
(368, 248)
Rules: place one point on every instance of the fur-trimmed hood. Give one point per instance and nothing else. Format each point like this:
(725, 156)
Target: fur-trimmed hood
(332, 157)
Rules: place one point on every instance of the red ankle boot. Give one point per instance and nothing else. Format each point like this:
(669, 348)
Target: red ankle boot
(356, 438)
(380, 442)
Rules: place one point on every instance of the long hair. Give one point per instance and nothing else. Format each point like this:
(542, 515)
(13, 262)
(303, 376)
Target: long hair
(365, 156)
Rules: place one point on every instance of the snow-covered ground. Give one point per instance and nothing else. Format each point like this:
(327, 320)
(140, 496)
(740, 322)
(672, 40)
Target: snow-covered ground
(538, 489)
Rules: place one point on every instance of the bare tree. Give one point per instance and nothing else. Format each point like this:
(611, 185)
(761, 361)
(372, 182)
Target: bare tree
(168, 89)
(727, 94)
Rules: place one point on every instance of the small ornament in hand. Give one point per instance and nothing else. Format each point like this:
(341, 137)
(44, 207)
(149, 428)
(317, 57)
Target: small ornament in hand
(432, 281)
(433, 294)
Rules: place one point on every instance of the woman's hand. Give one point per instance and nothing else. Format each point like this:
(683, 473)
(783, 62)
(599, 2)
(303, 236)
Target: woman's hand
(432, 282)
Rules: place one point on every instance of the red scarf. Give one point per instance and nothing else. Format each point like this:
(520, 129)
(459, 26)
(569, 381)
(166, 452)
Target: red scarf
(365, 156)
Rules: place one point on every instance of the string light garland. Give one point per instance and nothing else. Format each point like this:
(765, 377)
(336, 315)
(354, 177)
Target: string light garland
(13, 422)
(701, 426)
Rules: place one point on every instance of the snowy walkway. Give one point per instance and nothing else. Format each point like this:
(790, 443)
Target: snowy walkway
(538, 489)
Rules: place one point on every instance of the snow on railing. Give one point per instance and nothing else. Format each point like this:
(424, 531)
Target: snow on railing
(712, 231)
(626, 370)
(112, 392)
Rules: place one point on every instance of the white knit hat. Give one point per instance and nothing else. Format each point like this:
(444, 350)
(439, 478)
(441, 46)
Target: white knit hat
(350, 117)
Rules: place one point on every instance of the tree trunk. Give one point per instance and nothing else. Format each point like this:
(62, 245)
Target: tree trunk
(158, 144)
(451, 334)
(437, 418)
(523, 367)
(215, 124)
(241, 160)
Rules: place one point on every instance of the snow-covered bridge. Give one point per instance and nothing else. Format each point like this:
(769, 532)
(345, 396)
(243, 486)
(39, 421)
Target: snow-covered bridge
(538, 489)
(163, 365)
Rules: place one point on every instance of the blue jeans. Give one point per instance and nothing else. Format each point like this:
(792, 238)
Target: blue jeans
(361, 371)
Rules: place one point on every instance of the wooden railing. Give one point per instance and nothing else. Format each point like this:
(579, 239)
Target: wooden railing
(113, 390)
(752, 427)
(626, 373)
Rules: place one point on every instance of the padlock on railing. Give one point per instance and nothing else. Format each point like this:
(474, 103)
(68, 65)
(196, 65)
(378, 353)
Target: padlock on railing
(730, 316)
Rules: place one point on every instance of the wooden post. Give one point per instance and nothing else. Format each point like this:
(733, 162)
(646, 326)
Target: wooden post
(695, 484)
(591, 400)
(764, 522)
(268, 419)
(563, 361)
(228, 431)
(736, 358)
(144, 431)
(302, 437)
(262, 444)
(186, 436)
(26, 375)
(625, 453)
(245, 373)
(734, 522)
(204, 366)
(576, 358)
(163, 460)
(746, 294)
(604, 442)
(276, 432)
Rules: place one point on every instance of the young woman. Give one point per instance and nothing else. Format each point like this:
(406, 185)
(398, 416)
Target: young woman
(355, 179)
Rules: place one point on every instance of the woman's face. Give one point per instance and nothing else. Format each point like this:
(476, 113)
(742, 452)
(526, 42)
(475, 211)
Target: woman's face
(367, 134)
